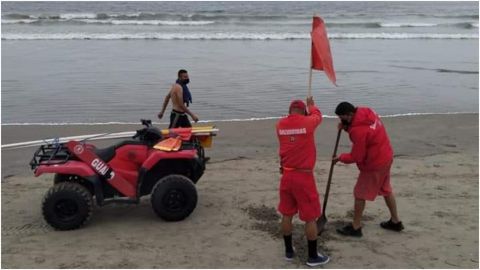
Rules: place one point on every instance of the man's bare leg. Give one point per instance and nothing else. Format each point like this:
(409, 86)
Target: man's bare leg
(392, 207)
(355, 228)
(287, 226)
(358, 208)
(394, 223)
(311, 230)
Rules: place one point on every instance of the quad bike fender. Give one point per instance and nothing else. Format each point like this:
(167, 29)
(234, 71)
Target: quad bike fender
(93, 183)
(75, 168)
(156, 155)
(70, 167)
(101, 168)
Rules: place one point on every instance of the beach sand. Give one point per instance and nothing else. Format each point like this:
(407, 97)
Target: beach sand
(235, 224)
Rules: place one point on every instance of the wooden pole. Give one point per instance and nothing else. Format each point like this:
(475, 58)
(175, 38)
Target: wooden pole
(310, 75)
(323, 219)
(310, 78)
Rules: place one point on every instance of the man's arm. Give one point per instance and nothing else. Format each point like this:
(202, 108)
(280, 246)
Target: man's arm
(178, 96)
(165, 104)
(359, 148)
(315, 113)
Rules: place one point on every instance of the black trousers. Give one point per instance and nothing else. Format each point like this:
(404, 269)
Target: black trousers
(179, 119)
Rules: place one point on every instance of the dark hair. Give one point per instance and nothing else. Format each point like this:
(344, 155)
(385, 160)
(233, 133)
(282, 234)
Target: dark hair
(344, 108)
(181, 71)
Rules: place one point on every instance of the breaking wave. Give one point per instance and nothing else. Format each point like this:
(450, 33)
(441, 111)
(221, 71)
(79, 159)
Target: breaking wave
(205, 18)
(227, 36)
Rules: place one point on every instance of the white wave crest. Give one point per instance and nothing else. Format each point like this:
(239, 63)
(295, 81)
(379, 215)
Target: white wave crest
(229, 36)
(69, 16)
(408, 24)
(148, 22)
(20, 21)
(401, 36)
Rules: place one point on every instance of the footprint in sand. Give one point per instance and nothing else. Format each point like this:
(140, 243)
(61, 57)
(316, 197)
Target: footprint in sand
(29, 228)
(450, 145)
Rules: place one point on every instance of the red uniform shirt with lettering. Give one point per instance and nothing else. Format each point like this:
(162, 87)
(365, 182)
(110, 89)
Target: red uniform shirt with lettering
(371, 148)
(298, 192)
(296, 134)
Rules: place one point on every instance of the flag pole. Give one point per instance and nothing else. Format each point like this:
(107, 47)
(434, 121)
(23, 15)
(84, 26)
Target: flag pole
(310, 75)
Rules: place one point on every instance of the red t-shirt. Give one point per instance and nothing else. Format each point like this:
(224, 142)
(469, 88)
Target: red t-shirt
(296, 135)
(371, 148)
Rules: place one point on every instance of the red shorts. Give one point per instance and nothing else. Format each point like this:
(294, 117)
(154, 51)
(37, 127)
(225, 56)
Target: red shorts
(370, 184)
(298, 193)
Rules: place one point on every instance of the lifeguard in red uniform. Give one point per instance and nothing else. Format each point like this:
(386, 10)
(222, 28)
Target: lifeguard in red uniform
(373, 154)
(298, 192)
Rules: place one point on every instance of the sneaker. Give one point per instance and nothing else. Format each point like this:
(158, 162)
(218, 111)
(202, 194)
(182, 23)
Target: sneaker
(319, 260)
(289, 255)
(350, 231)
(390, 225)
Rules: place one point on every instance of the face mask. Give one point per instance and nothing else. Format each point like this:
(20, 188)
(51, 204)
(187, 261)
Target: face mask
(186, 81)
(345, 123)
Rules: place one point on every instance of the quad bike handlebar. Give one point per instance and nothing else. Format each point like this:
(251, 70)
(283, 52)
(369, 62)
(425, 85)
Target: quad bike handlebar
(146, 122)
(149, 133)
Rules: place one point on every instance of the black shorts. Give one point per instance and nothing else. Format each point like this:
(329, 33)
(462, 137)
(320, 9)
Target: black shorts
(179, 119)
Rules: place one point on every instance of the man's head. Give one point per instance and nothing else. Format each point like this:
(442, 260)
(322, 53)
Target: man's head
(183, 76)
(345, 112)
(298, 107)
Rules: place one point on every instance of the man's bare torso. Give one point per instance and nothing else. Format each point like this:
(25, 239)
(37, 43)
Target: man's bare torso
(176, 94)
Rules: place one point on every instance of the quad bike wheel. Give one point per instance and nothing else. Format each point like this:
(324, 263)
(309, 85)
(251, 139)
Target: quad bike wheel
(67, 206)
(174, 197)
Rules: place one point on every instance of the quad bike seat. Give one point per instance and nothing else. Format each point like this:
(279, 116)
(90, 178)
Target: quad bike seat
(108, 153)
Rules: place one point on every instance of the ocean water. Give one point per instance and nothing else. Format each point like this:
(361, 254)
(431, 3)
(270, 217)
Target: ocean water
(97, 62)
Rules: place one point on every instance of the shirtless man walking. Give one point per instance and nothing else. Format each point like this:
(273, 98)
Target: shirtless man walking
(181, 98)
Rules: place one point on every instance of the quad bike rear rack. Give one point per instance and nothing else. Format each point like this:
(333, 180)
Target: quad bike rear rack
(50, 154)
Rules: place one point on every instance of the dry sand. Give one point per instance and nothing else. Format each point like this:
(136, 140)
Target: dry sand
(235, 225)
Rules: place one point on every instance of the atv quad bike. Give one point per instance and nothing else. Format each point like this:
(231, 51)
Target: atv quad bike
(147, 164)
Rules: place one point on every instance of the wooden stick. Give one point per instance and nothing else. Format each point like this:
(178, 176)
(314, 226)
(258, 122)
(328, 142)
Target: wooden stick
(332, 165)
(310, 76)
(310, 84)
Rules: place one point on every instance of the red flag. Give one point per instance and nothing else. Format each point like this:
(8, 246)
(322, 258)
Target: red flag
(321, 55)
